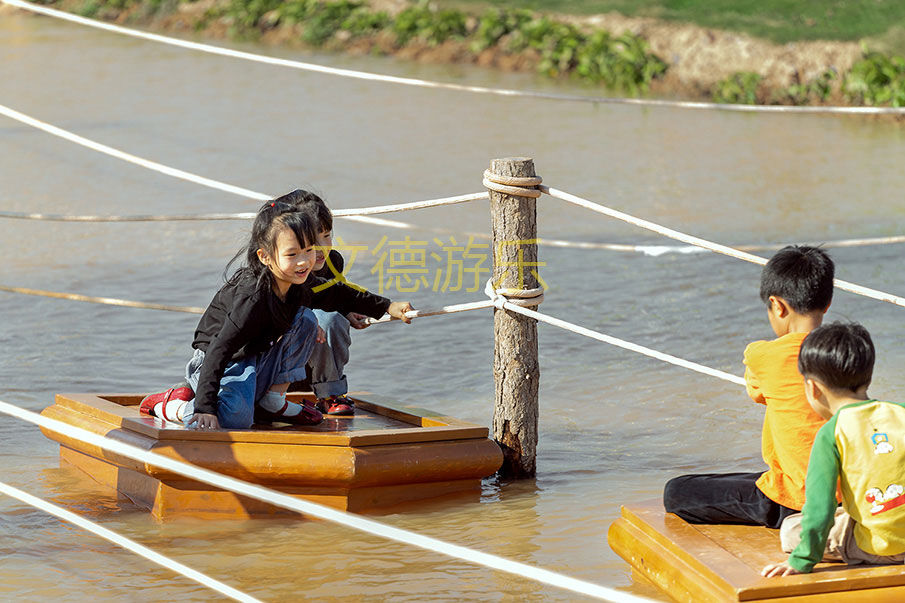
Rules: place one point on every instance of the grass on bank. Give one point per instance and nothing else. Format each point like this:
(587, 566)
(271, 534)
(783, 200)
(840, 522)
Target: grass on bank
(781, 21)
(621, 62)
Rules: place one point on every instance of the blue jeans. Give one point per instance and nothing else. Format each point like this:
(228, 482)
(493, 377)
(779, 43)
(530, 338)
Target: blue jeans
(328, 360)
(244, 382)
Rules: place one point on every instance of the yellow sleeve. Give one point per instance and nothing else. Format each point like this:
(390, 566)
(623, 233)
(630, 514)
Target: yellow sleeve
(752, 384)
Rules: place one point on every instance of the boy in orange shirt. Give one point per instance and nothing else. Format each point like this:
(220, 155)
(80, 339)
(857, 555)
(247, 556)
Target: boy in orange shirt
(797, 287)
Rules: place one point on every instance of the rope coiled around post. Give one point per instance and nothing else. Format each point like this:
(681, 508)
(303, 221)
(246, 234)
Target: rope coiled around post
(523, 298)
(512, 185)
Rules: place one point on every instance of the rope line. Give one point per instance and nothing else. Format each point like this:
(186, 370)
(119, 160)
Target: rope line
(505, 92)
(496, 299)
(126, 543)
(513, 300)
(650, 250)
(309, 508)
(181, 174)
(14, 215)
(386, 209)
(453, 309)
(716, 247)
(621, 343)
(109, 301)
(361, 214)
(145, 163)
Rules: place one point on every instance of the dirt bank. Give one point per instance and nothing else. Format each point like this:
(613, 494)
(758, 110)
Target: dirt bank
(698, 58)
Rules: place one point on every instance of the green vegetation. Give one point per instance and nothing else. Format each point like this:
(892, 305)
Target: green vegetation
(818, 89)
(622, 63)
(777, 20)
(876, 80)
(435, 26)
(738, 88)
(561, 49)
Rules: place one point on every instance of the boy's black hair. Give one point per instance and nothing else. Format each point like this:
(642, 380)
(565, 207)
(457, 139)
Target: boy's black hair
(306, 200)
(803, 276)
(840, 355)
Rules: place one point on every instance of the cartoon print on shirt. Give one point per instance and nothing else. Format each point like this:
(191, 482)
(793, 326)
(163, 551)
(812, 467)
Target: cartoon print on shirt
(881, 443)
(884, 501)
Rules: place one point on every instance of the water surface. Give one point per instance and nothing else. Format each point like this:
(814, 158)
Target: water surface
(613, 426)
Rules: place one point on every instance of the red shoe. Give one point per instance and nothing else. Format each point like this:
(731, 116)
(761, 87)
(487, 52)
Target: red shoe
(180, 392)
(308, 416)
(337, 406)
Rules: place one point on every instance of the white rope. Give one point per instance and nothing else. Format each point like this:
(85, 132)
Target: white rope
(500, 300)
(145, 163)
(692, 240)
(305, 507)
(495, 300)
(386, 209)
(210, 183)
(338, 213)
(694, 366)
(478, 305)
(657, 250)
(650, 250)
(363, 75)
(15, 215)
(126, 543)
(112, 301)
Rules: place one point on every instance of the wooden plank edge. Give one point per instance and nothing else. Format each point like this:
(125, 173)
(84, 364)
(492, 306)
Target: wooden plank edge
(681, 580)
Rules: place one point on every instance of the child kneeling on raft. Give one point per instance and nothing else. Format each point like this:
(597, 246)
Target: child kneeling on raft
(862, 446)
(258, 332)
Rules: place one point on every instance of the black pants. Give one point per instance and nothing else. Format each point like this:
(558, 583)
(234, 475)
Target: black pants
(722, 498)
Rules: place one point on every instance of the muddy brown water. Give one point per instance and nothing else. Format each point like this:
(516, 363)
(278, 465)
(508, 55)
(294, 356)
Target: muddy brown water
(613, 427)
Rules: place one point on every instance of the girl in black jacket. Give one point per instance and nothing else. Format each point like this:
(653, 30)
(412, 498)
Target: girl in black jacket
(257, 333)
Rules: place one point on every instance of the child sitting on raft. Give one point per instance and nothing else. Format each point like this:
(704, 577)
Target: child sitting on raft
(862, 445)
(797, 287)
(258, 331)
(328, 359)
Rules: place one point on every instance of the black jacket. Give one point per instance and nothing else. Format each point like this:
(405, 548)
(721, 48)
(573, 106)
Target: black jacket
(246, 318)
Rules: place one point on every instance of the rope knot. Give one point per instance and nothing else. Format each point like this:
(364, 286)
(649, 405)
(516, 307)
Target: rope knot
(512, 185)
(524, 298)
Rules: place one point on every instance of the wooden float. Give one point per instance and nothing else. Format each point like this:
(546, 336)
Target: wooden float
(703, 563)
(381, 457)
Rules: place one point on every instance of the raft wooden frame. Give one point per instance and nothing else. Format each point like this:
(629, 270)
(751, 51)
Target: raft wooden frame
(426, 455)
(703, 563)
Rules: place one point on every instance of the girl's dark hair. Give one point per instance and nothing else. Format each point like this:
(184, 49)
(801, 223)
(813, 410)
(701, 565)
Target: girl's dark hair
(840, 355)
(306, 200)
(272, 217)
(803, 276)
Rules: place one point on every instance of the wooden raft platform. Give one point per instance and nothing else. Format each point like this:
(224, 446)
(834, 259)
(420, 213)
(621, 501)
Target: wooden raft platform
(722, 563)
(380, 457)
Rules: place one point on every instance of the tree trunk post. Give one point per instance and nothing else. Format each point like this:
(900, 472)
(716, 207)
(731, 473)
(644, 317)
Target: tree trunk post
(516, 370)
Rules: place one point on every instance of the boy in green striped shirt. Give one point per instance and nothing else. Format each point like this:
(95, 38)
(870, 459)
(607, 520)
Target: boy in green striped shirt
(862, 447)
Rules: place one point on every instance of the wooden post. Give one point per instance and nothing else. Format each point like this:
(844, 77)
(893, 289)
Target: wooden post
(515, 366)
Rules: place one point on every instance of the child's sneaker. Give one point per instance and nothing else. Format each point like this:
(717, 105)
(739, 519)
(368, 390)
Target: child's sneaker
(340, 406)
(181, 392)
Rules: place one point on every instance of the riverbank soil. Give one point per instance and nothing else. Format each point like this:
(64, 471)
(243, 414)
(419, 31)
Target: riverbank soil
(698, 58)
